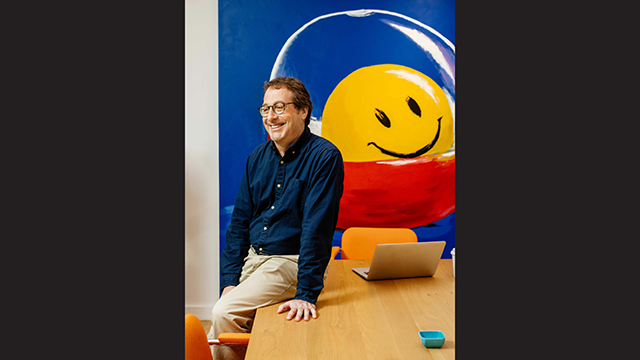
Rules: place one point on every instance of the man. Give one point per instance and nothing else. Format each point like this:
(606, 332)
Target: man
(280, 236)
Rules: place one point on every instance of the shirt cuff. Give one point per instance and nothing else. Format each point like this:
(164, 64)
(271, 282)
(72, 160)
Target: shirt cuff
(306, 296)
(229, 280)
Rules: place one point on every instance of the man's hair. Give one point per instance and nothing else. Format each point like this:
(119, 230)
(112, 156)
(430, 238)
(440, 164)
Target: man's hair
(301, 97)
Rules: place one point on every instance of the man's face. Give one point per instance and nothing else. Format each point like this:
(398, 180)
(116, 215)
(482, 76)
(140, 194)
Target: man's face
(286, 128)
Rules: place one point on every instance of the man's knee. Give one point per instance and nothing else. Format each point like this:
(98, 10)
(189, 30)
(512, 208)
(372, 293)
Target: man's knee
(227, 316)
(221, 311)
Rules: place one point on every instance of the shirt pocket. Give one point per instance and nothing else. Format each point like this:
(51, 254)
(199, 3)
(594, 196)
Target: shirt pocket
(294, 195)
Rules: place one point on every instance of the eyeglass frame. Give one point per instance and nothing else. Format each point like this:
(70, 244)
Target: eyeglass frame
(270, 107)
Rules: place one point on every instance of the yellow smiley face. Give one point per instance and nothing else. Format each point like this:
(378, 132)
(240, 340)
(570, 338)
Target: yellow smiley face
(386, 112)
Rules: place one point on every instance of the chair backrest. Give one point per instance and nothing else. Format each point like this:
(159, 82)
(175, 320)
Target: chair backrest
(196, 344)
(359, 243)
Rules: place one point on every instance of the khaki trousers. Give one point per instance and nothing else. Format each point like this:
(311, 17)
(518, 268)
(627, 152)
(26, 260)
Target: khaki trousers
(265, 280)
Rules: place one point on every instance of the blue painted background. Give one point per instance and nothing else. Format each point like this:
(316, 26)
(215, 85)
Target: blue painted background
(251, 34)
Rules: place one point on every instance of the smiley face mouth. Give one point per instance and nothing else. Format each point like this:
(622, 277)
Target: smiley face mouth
(421, 151)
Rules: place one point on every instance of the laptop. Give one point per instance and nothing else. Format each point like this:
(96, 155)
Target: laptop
(403, 260)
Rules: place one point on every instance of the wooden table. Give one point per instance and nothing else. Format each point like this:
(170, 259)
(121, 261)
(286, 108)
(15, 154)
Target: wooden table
(360, 319)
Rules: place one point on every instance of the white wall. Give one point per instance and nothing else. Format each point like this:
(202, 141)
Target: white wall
(201, 163)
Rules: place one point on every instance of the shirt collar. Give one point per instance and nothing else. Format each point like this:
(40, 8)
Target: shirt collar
(297, 145)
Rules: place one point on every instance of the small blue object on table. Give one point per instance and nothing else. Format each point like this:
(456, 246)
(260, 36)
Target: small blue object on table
(431, 338)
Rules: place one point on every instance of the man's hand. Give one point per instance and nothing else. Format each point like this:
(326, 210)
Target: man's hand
(227, 289)
(298, 308)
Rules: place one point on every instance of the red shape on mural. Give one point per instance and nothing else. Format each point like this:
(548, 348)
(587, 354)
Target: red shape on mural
(397, 193)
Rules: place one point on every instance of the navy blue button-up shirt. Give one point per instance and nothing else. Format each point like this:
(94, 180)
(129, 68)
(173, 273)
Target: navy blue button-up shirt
(287, 206)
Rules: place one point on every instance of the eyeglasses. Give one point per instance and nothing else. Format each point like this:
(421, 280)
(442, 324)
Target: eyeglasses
(278, 108)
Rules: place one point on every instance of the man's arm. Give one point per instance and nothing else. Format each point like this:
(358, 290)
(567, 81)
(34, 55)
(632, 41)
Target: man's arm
(237, 236)
(320, 216)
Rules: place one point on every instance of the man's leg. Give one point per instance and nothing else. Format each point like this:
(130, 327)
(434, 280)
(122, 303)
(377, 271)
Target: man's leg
(271, 280)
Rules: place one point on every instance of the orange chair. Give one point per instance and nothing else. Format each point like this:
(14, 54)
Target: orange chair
(359, 243)
(196, 344)
(334, 251)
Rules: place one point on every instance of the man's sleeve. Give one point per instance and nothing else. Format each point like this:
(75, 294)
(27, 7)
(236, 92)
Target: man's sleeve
(237, 236)
(318, 225)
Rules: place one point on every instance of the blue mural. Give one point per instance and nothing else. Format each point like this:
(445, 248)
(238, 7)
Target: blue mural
(321, 44)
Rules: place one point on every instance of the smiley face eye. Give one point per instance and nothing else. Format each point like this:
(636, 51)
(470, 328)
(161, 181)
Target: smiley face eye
(413, 105)
(383, 118)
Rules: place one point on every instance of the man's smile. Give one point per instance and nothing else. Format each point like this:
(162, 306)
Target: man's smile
(414, 154)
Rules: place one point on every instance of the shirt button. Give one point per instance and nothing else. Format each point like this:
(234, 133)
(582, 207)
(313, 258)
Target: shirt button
(260, 249)
(273, 207)
(278, 185)
(281, 162)
(265, 228)
(293, 152)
